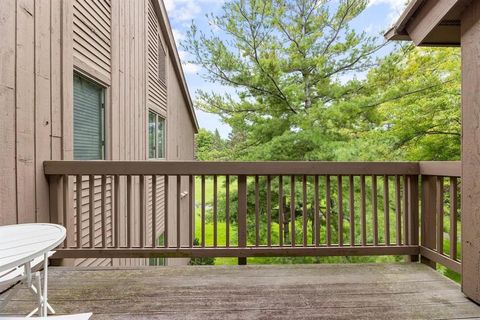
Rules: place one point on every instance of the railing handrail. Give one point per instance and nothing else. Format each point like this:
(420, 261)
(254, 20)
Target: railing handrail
(229, 168)
(441, 168)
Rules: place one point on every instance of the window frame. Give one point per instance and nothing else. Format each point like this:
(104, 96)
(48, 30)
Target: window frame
(158, 117)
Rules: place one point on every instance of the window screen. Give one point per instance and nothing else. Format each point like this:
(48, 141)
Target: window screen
(88, 120)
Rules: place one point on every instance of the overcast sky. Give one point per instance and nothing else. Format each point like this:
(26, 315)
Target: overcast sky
(375, 19)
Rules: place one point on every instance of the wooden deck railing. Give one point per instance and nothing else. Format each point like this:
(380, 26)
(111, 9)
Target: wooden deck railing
(440, 218)
(232, 209)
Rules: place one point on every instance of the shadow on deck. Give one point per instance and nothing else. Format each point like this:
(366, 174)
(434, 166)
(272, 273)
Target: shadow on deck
(380, 291)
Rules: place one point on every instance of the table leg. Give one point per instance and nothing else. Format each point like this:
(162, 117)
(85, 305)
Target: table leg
(39, 292)
(45, 283)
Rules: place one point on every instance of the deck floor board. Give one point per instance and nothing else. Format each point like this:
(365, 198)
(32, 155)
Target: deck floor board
(360, 291)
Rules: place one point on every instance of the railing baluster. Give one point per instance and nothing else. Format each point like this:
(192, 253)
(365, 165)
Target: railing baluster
(227, 211)
(154, 211)
(257, 209)
(352, 209)
(340, 210)
(375, 210)
(453, 218)
(242, 216)
(328, 210)
(398, 211)
(116, 208)
(66, 209)
(317, 212)
(440, 213)
(215, 211)
(79, 210)
(129, 211)
(269, 211)
(363, 210)
(179, 211)
(165, 211)
(203, 212)
(280, 210)
(104, 211)
(142, 211)
(386, 209)
(405, 211)
(305, 212)
(292, 210)
(91, 211)
(191, 209)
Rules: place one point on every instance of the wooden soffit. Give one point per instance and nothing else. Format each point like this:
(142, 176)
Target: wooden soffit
(430, 23)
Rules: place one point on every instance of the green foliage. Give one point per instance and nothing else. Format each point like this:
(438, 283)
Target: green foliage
(210, 146)
(409, 108)
(285, 59)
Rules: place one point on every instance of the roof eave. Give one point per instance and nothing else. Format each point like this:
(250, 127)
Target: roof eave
(398, 32)
(394, 35)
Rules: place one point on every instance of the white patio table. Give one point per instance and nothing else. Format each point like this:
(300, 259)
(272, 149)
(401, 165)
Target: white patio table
(20, 244)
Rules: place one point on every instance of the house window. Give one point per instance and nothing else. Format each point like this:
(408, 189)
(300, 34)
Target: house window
(88, 119)
(156, 136)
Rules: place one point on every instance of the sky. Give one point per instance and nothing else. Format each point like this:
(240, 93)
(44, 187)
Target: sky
(376, 19)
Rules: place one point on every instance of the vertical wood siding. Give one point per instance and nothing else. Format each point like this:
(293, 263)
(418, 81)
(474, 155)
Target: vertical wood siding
(8, 185)
(31, 129)
(117, 43)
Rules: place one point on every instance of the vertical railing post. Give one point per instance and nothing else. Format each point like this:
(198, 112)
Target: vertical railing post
(413, 218)
(56, 203)
(60, 207)
(242, 216)
(428, 216)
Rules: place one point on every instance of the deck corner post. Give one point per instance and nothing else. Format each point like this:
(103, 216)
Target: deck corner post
(58, 203)
(470, 188)
(428, 218)
(242, 216)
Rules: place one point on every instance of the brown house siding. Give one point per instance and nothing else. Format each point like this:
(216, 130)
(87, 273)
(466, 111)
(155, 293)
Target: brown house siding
(111, 42)
(32, 105)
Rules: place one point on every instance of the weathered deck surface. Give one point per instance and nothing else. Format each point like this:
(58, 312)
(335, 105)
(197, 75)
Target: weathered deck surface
(382, 291)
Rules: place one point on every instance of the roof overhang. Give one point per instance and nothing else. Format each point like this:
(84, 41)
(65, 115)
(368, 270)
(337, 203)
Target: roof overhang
(177, 65)
(430, 23)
